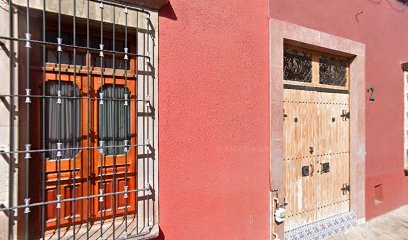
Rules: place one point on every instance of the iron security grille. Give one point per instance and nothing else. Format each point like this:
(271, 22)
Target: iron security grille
(82, 106)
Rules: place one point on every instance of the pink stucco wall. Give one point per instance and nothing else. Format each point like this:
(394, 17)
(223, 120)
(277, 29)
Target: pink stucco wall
(214, 120)
(382, 27)
(214, 108)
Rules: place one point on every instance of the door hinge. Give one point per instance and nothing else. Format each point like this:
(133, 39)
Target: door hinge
(345, 115)
(345, 188)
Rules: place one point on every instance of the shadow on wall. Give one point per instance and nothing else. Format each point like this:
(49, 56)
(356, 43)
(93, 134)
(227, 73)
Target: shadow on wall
(167, 11)
(161, 235)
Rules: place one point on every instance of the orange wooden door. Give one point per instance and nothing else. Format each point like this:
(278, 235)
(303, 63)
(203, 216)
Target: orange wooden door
(114, 173)
(66, 178)
(93, 171)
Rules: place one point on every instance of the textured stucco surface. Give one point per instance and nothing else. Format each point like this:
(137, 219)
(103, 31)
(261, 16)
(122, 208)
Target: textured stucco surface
(382, 27)
(214, 120)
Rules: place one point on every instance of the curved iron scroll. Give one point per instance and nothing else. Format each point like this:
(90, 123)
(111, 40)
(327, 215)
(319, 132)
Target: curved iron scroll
(332, 71)
(297, 66)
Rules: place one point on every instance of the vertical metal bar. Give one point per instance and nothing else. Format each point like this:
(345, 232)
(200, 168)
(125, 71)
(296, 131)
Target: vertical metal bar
(11, 122)
(88, 58)
(130, 115)
(136, 107)
(114, 121)
(27, 166)
(101, 184)
(75, 126)
(88, 131)
(126, 78)
(147, 115)
(43, 125)
(59, 126)
(145, 158)
(152, 102)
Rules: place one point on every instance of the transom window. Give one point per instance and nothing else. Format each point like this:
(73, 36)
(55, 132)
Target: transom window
(314, 68)
(67, 55)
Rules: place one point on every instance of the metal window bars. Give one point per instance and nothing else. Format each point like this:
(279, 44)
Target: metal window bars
(90, 195)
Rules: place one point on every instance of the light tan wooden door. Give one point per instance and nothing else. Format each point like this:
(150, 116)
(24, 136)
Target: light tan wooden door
(316, 155)
(332, 154)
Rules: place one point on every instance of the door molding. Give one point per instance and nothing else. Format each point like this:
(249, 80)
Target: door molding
(281, 33)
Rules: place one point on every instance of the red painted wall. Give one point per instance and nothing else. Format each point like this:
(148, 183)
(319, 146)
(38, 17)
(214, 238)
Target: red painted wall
(214, 120)
(214, 108)
(383, 26)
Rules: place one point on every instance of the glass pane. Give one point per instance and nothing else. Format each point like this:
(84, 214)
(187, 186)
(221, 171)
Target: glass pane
(51, 36)
(79, 59)
(65, 58)
(81, 40)
(108, 61)
(120, 63)
(52, 56)
(62, 120)
(95, 41)
(119, 46)
(332, 71)
(297, 66)
(114, 119)
(96, 61)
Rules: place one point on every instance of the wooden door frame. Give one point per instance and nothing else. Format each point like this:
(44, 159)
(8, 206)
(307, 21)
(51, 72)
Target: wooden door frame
(282, 33)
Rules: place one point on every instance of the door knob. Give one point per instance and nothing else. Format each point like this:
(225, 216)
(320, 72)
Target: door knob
(311, 150)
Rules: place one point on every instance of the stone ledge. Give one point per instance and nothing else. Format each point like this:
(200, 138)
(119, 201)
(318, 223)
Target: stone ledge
(155, 4)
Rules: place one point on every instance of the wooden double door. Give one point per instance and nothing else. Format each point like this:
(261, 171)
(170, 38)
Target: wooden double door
(90, 171)
(316, 155)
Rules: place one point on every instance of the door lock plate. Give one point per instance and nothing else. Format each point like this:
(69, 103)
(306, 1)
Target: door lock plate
(305, 171)
(325, 167)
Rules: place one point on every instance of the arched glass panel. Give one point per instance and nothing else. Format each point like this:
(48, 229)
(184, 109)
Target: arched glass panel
(62, 120)
(114, 119)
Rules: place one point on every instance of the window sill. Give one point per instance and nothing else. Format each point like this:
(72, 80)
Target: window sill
(149, 234)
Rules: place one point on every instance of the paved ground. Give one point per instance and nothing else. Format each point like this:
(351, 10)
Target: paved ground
(390, 226)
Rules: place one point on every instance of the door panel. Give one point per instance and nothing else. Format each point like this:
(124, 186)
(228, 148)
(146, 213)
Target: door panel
(333, 141)
(114, 169)
(316, 135)
(299, 130)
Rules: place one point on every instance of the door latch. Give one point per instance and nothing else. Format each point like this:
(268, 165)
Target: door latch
(311, 150)
(345, 188)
